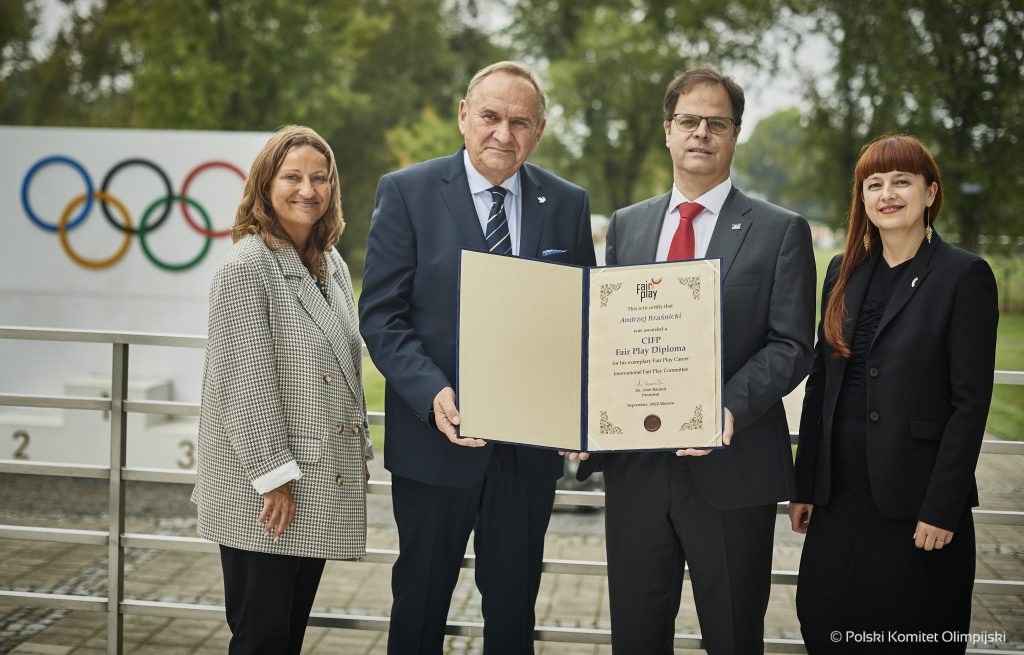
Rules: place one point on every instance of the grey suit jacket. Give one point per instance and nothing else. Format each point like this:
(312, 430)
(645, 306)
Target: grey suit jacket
(768, 278)
(282, 382)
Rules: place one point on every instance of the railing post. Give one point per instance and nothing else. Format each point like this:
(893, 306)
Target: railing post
(115, 551)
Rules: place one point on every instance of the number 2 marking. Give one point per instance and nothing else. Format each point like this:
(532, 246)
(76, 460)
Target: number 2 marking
(21, 452)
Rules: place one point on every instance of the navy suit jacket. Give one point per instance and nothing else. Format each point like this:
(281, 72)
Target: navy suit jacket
(423, 218)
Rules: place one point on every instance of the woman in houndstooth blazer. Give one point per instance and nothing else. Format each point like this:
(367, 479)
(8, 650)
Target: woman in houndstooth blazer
(283, 437)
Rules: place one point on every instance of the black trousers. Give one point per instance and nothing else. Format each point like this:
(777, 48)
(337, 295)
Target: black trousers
(656, 520)
(508, 511)
(268, 599)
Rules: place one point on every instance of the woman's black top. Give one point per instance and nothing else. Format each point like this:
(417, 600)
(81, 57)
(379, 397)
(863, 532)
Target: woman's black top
(850, 462)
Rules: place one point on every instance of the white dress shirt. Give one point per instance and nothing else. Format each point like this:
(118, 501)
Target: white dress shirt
(703, 224)
(482, 200)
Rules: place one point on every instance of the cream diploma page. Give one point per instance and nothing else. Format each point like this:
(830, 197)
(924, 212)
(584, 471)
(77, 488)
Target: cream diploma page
(598, 359)
(520, 348)
(654, 357)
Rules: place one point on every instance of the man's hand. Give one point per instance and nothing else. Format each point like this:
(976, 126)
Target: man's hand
(575, 455)
(800, 516)
(278, 511)
(446, 417)
(727, 428)
(930, 537)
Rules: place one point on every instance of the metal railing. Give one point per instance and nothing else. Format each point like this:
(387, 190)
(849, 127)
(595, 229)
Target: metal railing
(116, 540)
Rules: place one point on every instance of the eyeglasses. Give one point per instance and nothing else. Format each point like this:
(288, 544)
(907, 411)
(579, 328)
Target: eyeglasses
(690, 122)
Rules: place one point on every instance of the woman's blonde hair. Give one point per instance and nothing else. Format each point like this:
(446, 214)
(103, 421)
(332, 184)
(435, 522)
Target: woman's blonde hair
(256, 213)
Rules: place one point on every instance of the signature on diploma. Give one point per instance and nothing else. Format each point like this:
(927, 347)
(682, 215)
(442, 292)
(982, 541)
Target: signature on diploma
(649, 383)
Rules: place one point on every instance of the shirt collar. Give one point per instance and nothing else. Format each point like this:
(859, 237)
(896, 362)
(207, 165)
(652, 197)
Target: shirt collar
(478, 183)
(712, 200)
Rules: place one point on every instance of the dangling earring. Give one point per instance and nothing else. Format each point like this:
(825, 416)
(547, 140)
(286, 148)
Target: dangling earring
(867, 239)
(927, 226)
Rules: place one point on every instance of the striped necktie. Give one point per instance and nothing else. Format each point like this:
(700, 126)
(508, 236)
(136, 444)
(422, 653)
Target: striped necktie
(496, 233)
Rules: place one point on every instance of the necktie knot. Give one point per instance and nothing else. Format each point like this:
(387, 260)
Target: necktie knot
(689, 210)
(498, 193)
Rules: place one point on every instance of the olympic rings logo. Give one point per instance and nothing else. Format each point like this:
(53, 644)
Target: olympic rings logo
(150, 219)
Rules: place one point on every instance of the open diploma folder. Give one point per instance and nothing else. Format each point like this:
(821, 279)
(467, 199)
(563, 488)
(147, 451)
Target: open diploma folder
(590, 358)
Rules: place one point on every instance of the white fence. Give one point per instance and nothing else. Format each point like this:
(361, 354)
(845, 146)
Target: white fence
(117, 540)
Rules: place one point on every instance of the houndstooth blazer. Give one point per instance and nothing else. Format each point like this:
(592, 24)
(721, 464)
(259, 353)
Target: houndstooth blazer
(283, 382)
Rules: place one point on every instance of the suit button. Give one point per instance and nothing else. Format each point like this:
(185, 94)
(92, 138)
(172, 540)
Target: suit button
(355, 430)
(340, 480)
(873, 372)
(873, 416)
(340, 428)
(327, 378)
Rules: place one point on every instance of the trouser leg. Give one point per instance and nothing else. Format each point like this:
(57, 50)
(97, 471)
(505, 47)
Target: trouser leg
(433, 529)
(645, 558)
(267, 600)
(515, 509)
(729, 553)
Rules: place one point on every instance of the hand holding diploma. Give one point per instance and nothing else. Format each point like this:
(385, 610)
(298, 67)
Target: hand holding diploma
(446, 417)
(576, 455)
(727, 428)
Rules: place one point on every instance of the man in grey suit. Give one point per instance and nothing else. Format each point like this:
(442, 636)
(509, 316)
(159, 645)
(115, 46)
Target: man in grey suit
(712, 510)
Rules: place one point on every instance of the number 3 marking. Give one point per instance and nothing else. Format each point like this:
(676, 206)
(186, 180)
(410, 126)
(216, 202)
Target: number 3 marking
(188, 454)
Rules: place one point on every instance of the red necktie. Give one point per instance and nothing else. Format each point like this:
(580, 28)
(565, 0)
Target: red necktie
(683, 241)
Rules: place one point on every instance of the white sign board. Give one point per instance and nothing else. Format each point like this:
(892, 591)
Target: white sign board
(112, 229)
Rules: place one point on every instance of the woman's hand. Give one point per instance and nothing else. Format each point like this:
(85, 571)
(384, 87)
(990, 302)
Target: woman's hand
(800, 516)
(278, 511)
(931, 537)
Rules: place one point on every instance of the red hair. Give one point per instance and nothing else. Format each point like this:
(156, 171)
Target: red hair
(891, 152)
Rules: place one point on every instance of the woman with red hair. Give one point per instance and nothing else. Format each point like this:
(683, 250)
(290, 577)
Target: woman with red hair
(892, 422)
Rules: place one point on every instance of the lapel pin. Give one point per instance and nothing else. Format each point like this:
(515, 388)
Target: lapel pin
(737, 226)
(542, 199)
(913, 283)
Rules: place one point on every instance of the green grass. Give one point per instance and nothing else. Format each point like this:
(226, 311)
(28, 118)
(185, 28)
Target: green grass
(1009, 272)
(373, 388)
(1006, 417)
(1005, 420)
(821, 260)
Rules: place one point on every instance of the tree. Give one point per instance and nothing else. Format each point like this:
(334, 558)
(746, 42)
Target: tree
(355, 71)
(431, 136)
(951, 73)
(776, 163)
(608, 63)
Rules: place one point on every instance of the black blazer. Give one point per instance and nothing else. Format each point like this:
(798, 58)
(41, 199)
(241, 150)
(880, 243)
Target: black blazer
(423, 218)
(929, 385)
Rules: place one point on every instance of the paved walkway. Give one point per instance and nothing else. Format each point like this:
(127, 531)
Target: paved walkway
(357, 588)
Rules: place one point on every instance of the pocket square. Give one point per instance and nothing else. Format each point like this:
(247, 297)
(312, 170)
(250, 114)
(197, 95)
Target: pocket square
(551, 252)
